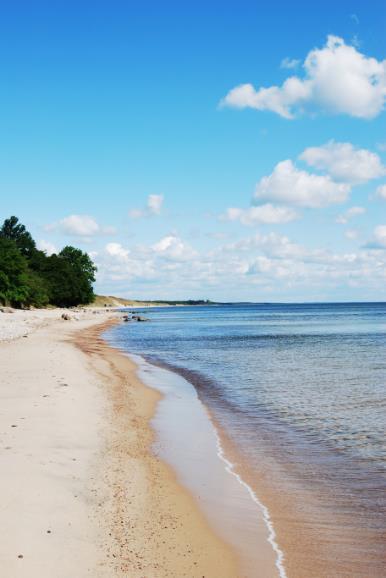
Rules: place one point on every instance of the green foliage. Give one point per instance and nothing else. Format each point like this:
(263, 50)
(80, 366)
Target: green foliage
(15, 231)
(83, 273)
(38, 294)
(29, 277)
(13, 274)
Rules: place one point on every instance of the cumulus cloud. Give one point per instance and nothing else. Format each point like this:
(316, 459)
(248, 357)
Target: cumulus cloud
(337, 79)
(267, 213)
(378, 241)
(271, 262)
(169, 258)
(47, 247)
(116, 250)
(153, 207)
(381, 192)
(344, 162)
(289, 63)
(350, 214)
(271, 244)
(172, 247)
(80, 226)
(380, 235)
(276, 99)
(289, 185)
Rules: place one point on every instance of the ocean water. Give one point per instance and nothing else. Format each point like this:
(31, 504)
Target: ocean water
(299, 392)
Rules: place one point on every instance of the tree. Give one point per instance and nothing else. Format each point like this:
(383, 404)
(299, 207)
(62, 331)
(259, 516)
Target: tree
(38, 294)
(69, 276)
(28, 277)
(84, 270)
(61, 282)
(15, 231)
(14, 289)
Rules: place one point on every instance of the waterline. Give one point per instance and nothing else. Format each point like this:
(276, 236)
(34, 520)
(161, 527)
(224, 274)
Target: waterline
(229, 466)
(191, 443)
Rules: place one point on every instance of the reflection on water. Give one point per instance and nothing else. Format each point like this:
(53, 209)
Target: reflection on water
(299, 389)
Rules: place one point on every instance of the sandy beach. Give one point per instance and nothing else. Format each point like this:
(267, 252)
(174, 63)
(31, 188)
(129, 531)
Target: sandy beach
(82, 493)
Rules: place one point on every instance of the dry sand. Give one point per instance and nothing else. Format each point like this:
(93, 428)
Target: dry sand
(81, 492)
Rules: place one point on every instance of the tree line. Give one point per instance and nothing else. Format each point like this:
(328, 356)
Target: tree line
(29, 277)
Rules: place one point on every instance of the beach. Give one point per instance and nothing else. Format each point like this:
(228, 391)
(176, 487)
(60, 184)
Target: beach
(82, 492)
(295, 394)
(116, 466)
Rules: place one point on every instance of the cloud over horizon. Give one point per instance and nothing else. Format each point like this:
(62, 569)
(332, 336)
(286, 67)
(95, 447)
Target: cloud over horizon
(261, 260)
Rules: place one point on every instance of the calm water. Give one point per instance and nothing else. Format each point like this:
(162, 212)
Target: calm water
(300, 389)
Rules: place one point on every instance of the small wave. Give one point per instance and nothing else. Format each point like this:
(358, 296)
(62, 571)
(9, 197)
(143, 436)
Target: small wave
(230, 468)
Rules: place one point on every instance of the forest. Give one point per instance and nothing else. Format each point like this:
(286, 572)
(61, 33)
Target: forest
(31, 278)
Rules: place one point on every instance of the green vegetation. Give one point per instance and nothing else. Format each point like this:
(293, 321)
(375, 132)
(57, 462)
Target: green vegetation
(28, 277)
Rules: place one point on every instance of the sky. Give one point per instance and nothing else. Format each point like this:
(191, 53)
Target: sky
(233, 151)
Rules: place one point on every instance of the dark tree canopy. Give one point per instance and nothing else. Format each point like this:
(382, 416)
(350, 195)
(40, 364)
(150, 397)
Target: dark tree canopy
(13, 274)
(30, 277)
(82, 271)
(15, 231)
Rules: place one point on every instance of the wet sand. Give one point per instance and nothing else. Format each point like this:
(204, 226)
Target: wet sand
(314, 519)
(82, 493)
(187, 439)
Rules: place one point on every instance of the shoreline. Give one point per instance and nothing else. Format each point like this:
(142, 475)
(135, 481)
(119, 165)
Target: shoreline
(83, 493)
(313, 515)
(192, 444)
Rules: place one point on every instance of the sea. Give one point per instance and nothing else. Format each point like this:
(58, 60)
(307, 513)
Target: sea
(296, 395)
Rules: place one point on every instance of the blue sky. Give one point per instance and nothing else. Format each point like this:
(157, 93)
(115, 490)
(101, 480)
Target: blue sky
(142, 133)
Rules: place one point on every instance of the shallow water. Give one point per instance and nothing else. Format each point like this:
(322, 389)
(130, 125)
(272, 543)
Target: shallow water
(188, 441)
(299, 392)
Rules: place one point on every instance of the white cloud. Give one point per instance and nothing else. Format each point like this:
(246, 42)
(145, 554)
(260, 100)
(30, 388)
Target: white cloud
(153, 207)
(289, 185)
(47, 247)
(267, 213)
(116, 250)
(338, 79)
(350, 214)
(381, 192)
(380, 235)
(172, 247)
(269, 265)
(80, 226)
(344, 162)
(272, 244)
(276, 99)
(289, 63)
